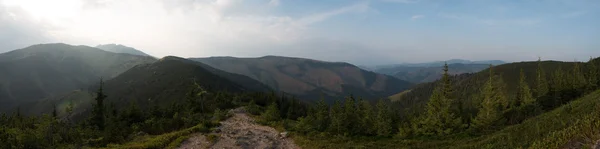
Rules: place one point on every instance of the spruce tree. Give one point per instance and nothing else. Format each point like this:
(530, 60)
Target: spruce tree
(441, 116)
(592, 75)
(337, 118)
(54, 112)
(541, 82)
(366, 117)
(579, 81)
(351, 117)
(524, 96)
(383, 121)
(322, 115)
(559, 85)
(98, 111)
(272, 113)
(490, 111)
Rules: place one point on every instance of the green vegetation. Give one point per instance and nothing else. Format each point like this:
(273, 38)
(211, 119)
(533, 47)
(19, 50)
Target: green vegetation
(495, 108)
(135, 126)
(498, 120)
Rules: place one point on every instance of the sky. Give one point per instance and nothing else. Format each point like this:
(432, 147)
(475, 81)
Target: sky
(363, 32)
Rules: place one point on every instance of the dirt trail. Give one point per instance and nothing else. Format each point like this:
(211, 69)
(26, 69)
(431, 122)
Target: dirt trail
(241, 132)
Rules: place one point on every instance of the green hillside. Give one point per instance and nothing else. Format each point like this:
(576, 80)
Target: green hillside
(467, 86)
(311, 79)
(47, 70)
(424, 74)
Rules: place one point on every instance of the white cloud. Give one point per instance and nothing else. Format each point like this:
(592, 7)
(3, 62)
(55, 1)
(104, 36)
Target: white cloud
(318, 17)
(180, 27)
(415, 17)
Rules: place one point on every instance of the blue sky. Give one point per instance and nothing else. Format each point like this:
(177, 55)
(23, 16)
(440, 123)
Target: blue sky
(364, 32)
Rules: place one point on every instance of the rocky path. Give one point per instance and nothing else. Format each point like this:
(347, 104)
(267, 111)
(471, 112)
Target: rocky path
(241, 132)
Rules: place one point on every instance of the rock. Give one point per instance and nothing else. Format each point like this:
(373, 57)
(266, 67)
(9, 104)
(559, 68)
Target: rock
(283, 134)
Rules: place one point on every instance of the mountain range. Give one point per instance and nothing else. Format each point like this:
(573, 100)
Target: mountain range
(117, 48)
(428, 72)
(46, 70)
(311, 79)
(52, 73)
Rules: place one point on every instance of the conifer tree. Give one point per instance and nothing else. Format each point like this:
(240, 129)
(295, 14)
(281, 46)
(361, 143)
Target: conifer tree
(441, 117)
(383, 122)
(337, 118)
(524, 96)
(272, 113)
(322, 115)
(54, 112)
(69, 110)
(541, 82)
(98, 111)
(351, 116)
(559, 85)
(592, 75)
(578, 78)
(366, 117)
(490, 111)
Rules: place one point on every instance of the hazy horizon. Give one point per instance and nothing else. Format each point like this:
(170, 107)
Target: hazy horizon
(361, 32)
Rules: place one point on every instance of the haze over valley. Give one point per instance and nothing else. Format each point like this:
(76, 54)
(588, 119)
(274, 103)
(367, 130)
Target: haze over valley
(299, 74)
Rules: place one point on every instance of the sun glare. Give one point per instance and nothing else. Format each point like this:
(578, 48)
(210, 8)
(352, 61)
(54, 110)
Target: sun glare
(47, 9)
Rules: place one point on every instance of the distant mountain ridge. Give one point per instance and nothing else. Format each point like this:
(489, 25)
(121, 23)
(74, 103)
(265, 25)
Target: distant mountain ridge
(439, 63)
(117, 48)
(162, 82)
(427, 72)
(44, 70)
(310, 79)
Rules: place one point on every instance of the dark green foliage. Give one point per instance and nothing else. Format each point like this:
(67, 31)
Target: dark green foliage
(322, 117)
(253, 108)
(492, 105)
(592, 75)
(541, 83)
(97, 118)
(441, 116)
(337, 118)
(125, 124)
(272, 113)
(524, 96)
(383, 119)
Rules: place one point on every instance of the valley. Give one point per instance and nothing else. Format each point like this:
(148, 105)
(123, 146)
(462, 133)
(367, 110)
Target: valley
(124, 100)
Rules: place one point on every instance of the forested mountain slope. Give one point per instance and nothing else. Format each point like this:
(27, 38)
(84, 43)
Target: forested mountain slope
(45, 70)
(310, 79)
(468, 86)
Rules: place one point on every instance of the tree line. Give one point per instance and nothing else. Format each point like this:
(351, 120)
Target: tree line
(446, 114)
(106, 124)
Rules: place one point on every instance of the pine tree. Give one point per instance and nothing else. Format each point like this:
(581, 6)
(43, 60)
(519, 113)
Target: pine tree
(490, 111)
(337, 118)
(98, 111)
(69, 110)
(524, 96)
(351, 117)
(592, 75)
(383, 121)
(272, 113)
(253, 108)
(559, 85)
(54, 112)
(441, 116)
(366, 117)
(579, 81)
(322, 115)
(541, 83)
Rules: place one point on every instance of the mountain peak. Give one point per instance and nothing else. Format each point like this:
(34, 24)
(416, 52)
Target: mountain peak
(118, 48)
